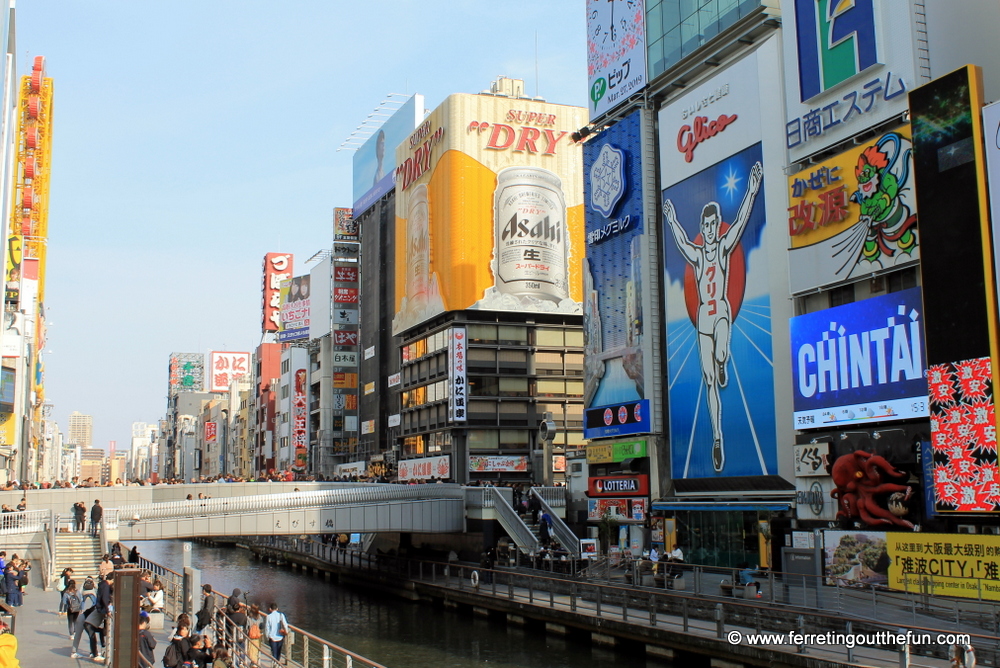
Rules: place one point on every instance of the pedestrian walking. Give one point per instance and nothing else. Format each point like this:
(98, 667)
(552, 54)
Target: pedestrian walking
(96, 515)
(88, 602)
(275, 628)
(74, 603)
(255, 629)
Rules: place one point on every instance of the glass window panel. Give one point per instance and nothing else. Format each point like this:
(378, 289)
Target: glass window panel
(574, 337)
(483, 386)
(514, 407)
(550, 388)
(514, 356)
(574, 388)
(513, 387)
(575, 438)
(574, 360)
(690, 39)
(548, 361)
(509, 437)
(482, 333)
(670, 12)
(512, 334)
(574, 411)
(672, 48)
(483, 408)
(654, 22)
(483, 354)
(654, 56)
(708, 18)
(548, 337)
(480, 439)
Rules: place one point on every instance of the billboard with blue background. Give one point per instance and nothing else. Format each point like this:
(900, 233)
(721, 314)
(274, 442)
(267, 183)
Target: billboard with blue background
(720, 368)
(375, 160)
(860, 362)
(614, 373)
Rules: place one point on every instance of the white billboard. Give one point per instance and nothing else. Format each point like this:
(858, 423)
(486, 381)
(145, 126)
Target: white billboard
(848, 66)
(616, 52)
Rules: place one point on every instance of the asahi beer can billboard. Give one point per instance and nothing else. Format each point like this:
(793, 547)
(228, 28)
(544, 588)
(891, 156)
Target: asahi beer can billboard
(489, 210)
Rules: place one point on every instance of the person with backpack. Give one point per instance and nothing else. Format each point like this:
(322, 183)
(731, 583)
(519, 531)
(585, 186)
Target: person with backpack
(275, 628)
(74, 602)
(88, 601)
(61, 583)
(255, 630)
(177, 651)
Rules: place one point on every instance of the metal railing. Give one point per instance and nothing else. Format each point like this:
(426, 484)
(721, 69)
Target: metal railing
(369, 493)
(562, 533)
(520, 533)
(555, 497)
(302, 649)
(671, 610)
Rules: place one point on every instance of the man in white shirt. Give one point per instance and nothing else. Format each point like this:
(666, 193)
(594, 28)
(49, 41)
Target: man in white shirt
(676, 554)
(654, 556)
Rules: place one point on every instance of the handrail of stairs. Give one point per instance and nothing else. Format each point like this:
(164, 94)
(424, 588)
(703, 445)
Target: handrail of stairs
(560, 530)
(512, 523)
(49, 552)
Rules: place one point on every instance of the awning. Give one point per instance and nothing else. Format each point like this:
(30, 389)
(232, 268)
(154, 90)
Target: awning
(677, 505)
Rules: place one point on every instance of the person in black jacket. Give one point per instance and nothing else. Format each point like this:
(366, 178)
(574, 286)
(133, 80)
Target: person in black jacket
(96, 515)
(207, 612)
(147, 643)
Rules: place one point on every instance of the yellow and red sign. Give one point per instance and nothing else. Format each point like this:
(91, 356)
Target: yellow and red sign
(963, 565)
(853, 214)
(489, 210)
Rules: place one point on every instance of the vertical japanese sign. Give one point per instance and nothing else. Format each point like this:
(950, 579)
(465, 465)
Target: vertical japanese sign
(211, 432)
(345, 226)
(853, 214)
(300, 423)
(457, 394)
(961, 310)
(277, 268)
(295, 309)
(225, 367)
(186, 373)
(614, 372)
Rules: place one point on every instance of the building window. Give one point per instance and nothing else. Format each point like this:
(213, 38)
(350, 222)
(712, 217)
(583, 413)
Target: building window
(842, 295)
(481, 439)
(901, 280)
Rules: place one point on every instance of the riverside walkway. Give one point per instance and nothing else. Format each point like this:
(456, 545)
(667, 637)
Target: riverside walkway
(44, 641)
(668, 624)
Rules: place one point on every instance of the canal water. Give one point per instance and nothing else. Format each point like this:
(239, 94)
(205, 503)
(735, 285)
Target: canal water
(389, 630)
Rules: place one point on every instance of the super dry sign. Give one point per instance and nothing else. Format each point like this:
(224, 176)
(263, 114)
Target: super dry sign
(637, 485)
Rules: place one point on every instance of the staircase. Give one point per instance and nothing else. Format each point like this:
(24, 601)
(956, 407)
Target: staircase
(79, 551)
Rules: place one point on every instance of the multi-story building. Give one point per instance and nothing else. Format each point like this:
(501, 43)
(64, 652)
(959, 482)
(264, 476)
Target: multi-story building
(81, 429)
(789, 359)
(487, 291)
(92, 464)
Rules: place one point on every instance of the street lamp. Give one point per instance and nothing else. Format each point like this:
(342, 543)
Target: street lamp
(546, 434)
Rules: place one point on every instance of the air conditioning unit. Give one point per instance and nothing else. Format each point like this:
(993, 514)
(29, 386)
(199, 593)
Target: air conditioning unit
(966, 528)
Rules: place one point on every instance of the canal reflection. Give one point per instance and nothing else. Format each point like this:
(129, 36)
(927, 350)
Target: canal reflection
(386, 629)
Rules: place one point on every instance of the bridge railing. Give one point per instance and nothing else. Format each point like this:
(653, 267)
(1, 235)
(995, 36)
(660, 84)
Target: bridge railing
(362, 494)
(555, 497)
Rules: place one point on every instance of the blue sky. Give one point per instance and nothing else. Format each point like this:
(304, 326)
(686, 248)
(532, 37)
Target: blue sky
(191, 138)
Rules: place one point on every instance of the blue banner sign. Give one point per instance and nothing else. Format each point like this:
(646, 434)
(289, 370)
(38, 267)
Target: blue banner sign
(860, 362)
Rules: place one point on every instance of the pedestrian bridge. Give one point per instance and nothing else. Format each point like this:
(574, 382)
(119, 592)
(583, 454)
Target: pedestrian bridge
(278, 509)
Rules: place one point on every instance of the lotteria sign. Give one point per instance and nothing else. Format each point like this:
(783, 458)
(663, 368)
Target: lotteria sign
(861, 362)
(637, 485)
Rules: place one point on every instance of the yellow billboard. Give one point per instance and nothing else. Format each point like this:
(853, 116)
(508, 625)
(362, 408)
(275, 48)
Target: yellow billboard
(963, 565)
(489, 210)
(853, 214)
